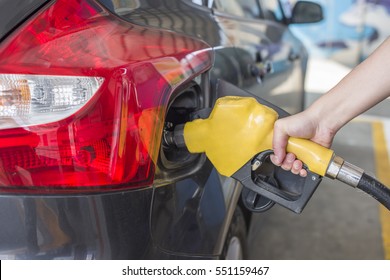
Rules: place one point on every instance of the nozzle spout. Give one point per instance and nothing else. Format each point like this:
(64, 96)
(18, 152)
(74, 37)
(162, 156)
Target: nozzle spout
(175, 138)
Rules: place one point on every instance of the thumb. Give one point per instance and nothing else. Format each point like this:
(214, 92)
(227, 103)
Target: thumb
(279, 143)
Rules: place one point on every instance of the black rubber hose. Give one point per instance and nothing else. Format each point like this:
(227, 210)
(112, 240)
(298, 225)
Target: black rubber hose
(376, 189)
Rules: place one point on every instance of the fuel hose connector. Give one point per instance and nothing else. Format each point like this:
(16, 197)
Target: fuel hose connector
(356, 177)
(344, 171)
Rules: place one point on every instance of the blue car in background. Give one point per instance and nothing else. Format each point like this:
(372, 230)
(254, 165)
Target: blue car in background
(350, 31)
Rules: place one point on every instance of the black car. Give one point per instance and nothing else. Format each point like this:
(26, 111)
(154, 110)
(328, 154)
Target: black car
(89, 89)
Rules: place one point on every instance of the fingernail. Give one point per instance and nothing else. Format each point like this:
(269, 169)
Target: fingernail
(290, 157)
(303, 173)
(275, 160)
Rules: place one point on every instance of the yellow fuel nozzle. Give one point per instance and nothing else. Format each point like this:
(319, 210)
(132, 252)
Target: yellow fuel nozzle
(238, 128)
(237, 135)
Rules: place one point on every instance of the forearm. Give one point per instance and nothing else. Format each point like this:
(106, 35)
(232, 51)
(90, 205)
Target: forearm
(365, 86)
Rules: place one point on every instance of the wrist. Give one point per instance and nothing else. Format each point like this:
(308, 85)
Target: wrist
(326, 121)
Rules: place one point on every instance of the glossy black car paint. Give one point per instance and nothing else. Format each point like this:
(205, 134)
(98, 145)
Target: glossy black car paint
(188, 215)
(12, 13)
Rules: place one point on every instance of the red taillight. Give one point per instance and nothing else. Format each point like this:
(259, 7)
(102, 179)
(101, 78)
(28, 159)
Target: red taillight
(83, 97)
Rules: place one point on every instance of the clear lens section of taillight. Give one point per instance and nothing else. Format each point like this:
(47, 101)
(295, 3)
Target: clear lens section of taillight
(27, 100)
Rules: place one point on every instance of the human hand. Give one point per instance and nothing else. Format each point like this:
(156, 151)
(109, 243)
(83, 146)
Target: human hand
(303, 125)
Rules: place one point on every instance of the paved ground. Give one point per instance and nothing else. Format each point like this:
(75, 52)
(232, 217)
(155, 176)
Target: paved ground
(339, 222)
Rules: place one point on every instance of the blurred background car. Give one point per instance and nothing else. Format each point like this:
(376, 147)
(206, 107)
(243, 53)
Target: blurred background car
(88, 90)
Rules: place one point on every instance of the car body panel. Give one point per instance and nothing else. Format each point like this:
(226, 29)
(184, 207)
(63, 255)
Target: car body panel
(76, 227)
(263, 43)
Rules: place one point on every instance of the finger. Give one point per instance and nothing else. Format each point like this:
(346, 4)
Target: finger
(297, 167)
(303, 173)
(275, 161)
(288, 161)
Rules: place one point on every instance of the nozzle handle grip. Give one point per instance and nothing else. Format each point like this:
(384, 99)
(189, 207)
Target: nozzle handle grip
(315, 156)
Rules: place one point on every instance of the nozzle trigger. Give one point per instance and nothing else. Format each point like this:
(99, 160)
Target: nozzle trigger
(266, 184)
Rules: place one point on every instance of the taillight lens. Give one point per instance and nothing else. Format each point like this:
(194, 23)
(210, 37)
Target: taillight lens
(27, 100)
(83, 97)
